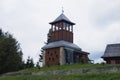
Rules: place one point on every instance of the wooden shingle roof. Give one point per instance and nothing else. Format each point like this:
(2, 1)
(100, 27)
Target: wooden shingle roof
(112, 50)
(62, 17)
(61, 43)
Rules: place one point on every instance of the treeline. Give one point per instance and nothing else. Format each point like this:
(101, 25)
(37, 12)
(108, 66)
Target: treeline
(11, 55)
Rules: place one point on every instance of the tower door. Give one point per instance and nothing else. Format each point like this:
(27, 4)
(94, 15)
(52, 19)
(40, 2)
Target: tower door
(69, 56)
(76, 57)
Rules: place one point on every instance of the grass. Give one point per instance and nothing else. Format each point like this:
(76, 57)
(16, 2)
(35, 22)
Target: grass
(90, 76)
(81, 76)
(66, 67)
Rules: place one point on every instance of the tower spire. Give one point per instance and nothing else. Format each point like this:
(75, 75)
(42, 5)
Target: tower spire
(62, 10)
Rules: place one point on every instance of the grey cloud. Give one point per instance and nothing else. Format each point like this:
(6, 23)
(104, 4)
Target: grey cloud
(28, 21)
(105, 12)
(108, 18)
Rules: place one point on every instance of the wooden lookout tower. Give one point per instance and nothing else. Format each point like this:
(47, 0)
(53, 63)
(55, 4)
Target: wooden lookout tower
(60, 48)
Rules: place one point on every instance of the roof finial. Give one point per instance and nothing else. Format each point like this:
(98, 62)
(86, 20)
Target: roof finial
(62, 10)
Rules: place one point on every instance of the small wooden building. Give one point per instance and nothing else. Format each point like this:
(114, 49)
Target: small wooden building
(60, 48)
(112, 54)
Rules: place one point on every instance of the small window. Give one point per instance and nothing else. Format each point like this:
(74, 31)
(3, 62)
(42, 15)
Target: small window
(56, 56)
(55, 52)
(51, 54)
(49, 59)
(52, 59)
(48, 52)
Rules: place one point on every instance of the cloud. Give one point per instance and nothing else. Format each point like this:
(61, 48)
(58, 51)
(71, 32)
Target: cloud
(8, 6)
(97, 22)
(105, 12)
(96, 57)
(98, 26)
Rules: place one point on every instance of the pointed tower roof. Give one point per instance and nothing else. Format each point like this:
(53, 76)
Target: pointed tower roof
(62, 17)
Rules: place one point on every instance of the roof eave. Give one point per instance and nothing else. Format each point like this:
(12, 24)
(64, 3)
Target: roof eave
(61, 21)
(109, 56)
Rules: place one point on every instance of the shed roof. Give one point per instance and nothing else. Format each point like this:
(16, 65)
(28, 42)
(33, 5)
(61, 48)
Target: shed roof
(61, 43)
(112, 50)
(62, 17)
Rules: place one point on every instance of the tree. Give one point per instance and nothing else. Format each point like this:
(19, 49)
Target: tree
(40, 59)
(29, 63)
(1, 33)
(37, 65)
(10, 53)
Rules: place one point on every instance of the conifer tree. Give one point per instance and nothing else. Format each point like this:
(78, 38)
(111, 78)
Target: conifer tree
(10, 53)
(29, 63)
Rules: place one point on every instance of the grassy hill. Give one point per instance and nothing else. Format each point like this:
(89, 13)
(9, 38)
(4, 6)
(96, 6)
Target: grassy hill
(68, 67)
(78, 76)
(90, 76)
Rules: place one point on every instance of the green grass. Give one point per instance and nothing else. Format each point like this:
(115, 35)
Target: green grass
(90, 76)
(66, 67)
(82, 76)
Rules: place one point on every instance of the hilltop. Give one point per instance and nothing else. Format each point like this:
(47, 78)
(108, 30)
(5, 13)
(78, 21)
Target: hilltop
(67, 72)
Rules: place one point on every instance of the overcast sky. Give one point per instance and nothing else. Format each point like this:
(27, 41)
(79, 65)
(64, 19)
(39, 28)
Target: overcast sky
(97, 23)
